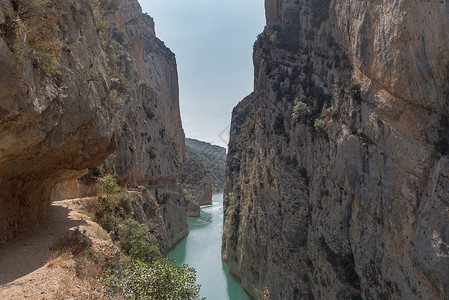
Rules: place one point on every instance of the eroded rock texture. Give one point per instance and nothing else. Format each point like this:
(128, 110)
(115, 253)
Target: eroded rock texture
(337, 173)
(198, 182)
(149, 150)
(51, 126)
(113, 87)
(151, 141)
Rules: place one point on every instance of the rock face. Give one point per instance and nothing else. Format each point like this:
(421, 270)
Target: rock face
(113, 86)
(337, 172)
(41, 142)
(72, 189)
(155, 63)
(151, 138)
(211, 157)
(150, 207)
(197, 181)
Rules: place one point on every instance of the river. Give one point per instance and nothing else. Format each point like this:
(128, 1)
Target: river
(201, 249)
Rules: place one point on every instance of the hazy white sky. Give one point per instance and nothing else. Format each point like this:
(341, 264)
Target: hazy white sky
(212, 41)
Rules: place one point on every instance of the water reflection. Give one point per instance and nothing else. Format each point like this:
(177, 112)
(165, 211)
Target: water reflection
(204, 220)
(201, 249)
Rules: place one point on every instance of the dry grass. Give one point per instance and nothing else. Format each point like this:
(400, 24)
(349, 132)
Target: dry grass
(84, 268)
(56, 259)
(100, 233)
(66, 243)
(75, 288)
(92, 207)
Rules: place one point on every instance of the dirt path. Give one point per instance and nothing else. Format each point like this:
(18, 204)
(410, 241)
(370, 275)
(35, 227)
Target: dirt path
(24, 272)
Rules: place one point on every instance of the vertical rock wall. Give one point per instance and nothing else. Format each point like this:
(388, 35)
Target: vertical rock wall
(150, 136)
(113, 87)
(51, 126)
(337, 169)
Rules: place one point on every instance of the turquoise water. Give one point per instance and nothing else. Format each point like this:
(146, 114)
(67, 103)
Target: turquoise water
(201, 249)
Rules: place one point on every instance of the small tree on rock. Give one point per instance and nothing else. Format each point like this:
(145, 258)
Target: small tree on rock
(265, 294)
(108, 185)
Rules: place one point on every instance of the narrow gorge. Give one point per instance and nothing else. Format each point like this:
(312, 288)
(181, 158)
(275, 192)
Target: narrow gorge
(86, 83)
(335, 182)
(337, 171)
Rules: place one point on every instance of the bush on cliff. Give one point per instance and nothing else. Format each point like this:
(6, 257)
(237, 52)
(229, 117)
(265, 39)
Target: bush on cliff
(108, 185)
(265, 294)
(135, 240)
(34, 26)
(158, 280)
(92, 175)
(144, 274)
(300, 111)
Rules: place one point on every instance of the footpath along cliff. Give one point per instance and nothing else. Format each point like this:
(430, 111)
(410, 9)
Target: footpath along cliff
(82, 82)
(337, 172)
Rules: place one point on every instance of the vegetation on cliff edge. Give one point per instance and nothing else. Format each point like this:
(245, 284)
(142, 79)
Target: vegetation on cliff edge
(145, 273)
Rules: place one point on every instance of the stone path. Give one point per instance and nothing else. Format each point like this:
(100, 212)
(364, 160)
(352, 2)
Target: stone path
(24, 273)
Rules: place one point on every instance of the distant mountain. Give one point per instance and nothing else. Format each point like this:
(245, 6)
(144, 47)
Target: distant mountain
(211, 157)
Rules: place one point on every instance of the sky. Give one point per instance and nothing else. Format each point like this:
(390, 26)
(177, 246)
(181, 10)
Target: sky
(212, 41)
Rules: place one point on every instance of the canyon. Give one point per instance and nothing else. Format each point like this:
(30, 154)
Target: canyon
(84, 84)
(337, 171)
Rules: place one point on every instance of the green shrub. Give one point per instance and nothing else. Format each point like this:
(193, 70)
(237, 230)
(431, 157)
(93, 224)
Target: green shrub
(93, 73)
(188, 196)
(36, 21)
(124, 204)
(116, 100)
(135, 240)
(123, 60)
(93, 174)
(265, 294)
(118, 85)
(158, 280)
(108, 223)
(320, 126)
(108, 185)
(354, 91)
(300, 111)
(102, 10)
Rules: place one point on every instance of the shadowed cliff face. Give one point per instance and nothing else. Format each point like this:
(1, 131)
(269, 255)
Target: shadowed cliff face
(156, 65)
(51, 127)
(151, 139)
(337, 171)
(115, 89)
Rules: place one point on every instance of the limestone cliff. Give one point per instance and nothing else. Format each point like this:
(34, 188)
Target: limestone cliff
(151, 143)
(145, 82)
(54, 118)
(80, 79)
(211, 157)
(155, 63)
(337, 172)
(197, 181)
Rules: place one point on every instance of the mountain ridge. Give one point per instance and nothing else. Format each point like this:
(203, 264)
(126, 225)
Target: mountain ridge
(211, 157)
